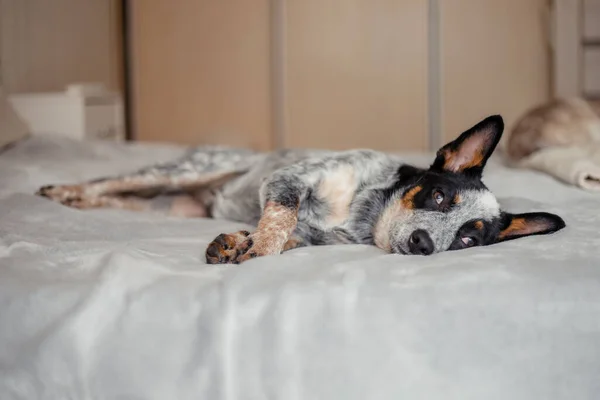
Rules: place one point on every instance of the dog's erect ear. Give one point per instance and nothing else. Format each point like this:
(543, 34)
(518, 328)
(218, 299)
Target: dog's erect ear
(408, 172)
(514, 226)
(469, 153)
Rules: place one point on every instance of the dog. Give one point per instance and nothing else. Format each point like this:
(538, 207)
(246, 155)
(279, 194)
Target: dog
(557, 123)
(308, 197)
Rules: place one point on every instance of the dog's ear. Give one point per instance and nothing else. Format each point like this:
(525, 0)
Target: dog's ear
(514, 226)
(408, 172)
(469, 153)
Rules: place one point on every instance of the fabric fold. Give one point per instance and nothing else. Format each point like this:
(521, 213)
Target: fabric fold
(574, 165)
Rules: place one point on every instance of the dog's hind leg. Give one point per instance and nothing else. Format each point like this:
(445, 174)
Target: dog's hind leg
(138, 183)
(183, 205)
(201, 170)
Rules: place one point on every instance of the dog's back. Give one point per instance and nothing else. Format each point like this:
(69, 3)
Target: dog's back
(238, 199)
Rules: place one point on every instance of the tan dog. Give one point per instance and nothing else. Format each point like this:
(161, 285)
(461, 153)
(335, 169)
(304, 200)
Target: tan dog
(562, 122)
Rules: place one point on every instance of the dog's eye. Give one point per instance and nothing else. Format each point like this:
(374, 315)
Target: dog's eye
(467, 241)
(438, 196)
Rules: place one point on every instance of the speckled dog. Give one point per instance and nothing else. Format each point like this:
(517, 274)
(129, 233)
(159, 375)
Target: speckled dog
(300, 198)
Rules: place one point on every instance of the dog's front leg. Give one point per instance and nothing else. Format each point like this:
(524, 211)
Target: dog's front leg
(280, 196)
(273, 232)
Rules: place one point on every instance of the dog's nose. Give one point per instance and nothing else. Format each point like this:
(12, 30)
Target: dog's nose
(420, 243)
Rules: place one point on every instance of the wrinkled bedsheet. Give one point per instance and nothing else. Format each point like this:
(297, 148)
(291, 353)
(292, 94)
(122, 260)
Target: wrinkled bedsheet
(110, 304)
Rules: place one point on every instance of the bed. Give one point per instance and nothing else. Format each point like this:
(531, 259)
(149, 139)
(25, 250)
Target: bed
(110, 304)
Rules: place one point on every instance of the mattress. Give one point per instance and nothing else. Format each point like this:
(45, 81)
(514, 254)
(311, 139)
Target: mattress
(111, 304)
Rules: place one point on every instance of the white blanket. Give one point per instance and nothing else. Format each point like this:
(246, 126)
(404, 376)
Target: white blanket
(575, 165)
(110, 304)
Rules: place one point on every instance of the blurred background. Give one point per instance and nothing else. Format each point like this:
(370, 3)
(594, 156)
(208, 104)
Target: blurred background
(395, 75)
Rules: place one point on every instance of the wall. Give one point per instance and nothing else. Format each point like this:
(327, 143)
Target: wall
(47, 44)
(495, 59)
(337, 74)
(300, 73)
(201, 72)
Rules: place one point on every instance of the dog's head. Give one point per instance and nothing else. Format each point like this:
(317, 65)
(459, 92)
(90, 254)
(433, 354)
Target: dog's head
(447, 207)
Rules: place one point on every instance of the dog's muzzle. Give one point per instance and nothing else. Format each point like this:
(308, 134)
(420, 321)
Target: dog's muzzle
(420, 243)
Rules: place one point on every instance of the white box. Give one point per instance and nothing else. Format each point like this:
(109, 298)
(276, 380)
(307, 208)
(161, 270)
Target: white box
(80, 112)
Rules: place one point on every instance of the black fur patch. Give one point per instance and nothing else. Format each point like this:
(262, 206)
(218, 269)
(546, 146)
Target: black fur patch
(430, 181)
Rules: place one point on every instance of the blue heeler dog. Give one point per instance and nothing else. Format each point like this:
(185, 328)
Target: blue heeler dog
(302, 198)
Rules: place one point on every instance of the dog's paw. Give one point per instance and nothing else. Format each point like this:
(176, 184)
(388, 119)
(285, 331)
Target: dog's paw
(258, 244)
(235, 248)
(226, 248)
(248, 250)
(61, 193)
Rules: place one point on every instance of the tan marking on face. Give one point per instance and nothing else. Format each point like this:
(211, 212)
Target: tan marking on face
(337, 189)
(381, 232)
(408, 199)
(517, 225)
(457, 199)
(392, 213)
(479, 225)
